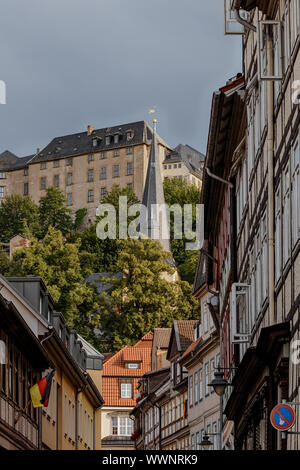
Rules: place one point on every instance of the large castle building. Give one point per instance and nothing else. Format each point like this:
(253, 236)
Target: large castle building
(86, 165)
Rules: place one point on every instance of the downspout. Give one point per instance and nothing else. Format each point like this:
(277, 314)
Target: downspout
(271, 196)
(40, 439)
(239, 19)
(94, 427)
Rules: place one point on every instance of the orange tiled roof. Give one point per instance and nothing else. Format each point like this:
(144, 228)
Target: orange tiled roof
(132, 354)
(114, 369)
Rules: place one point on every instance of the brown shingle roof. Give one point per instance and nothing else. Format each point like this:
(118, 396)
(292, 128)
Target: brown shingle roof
(162, 336)
(185, 330)
(191, 347)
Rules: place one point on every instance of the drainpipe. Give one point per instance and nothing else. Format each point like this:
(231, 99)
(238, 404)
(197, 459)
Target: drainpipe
(239, 19)
(218, 178)
(271, 196)
(40, 416)
(94, 427)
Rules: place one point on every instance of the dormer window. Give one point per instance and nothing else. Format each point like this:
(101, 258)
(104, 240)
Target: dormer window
(129, 135)
(133, 365)
(107, 140)
(116, 138)
(95, 142)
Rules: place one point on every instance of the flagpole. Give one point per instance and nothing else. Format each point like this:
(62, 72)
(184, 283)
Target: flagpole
(20, 412)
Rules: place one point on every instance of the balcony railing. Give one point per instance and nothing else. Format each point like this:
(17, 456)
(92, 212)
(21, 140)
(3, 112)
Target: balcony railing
(24, 428)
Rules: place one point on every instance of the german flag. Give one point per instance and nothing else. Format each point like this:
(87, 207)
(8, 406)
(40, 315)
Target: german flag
(40, 392)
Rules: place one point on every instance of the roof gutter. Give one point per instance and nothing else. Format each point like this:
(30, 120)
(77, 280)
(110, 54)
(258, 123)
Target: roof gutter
(239, 19)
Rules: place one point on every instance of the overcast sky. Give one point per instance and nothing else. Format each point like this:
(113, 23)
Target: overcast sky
(70, 63)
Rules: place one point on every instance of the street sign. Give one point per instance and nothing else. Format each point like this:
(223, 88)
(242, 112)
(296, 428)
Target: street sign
(282, 417)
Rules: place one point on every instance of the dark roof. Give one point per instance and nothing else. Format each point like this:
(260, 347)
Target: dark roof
(182, 334)
(162, 337)
(13, 323)
(117, 441)
(193, 159)
(97, 280)
(9, 161)
(82, 143)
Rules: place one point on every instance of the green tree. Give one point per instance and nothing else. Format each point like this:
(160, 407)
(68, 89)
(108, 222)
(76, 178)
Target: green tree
(105, 251)
(53, 211)
(17, 215)
(58, 263)
(143, 298)
(180, 192)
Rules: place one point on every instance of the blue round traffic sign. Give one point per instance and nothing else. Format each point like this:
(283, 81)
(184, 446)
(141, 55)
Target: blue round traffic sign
(282, 417)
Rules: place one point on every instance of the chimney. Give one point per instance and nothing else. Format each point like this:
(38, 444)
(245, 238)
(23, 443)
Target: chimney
(90, 129)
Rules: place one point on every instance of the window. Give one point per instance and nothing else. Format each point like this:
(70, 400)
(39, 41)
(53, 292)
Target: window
(295, 192)
(193, 442)
(191, 390)
(69, 199)
(90, 176)
(2, 176)
(129, 150)
(116, 138)
(91, 158)
(206, 378)
(25, 171)
(91, 195)
(25, 189)
(103, 173)
(240, 313)
(70, 161)
(278, 241)
(116, 153)
(43, 166)
(200, 385)
(287, 37)
(1, 192)
(129, 185)
(70, 178)
(122, 426)
(269, 31)
(212, 371)
(116, 171)
(56, 181)
(295, 20)
(129, 135)
(286, 216)
(133, 365)
(232, 26)
(103, 193)
(107, 140)
(130, 168)
(197, 441)
(56, 163)
(126, 390)
(196, 389)
(103, 155)
(215, 436)
(43, 182)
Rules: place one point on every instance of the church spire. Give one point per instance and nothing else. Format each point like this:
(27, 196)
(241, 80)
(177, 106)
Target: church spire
(153, 197)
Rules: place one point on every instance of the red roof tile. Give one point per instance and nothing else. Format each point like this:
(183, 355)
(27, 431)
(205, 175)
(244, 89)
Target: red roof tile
(114, 369)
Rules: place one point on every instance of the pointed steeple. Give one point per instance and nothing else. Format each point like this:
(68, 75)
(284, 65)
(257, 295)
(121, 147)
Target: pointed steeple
(154, 196)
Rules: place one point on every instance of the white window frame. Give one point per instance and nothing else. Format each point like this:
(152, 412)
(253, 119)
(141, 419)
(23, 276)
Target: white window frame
(230, 20)
(238, 337)
(126, 390)
(262, 74)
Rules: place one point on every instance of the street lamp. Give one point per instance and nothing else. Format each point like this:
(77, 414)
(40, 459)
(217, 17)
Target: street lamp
(219, 383)
(206, 443)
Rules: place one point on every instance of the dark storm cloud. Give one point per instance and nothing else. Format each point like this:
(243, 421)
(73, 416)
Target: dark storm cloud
(69, 63)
